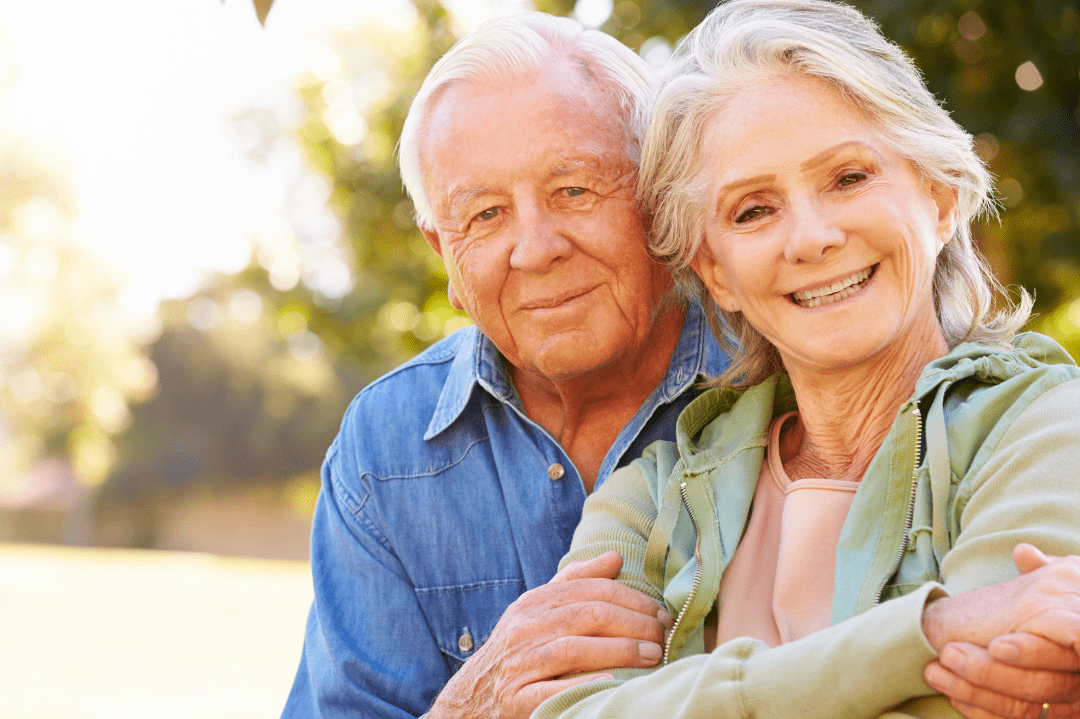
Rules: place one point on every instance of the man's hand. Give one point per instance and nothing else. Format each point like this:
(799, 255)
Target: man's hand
(1012, 674)
(581, 621)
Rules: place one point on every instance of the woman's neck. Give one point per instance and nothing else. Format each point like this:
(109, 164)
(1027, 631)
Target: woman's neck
(845, 415)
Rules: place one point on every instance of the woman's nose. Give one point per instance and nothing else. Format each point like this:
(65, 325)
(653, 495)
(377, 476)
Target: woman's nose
(814, 233)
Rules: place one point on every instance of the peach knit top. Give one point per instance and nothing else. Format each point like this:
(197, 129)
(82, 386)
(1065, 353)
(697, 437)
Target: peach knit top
(779, 585)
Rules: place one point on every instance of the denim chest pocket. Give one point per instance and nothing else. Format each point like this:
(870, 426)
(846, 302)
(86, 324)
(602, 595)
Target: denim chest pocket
(462, 617)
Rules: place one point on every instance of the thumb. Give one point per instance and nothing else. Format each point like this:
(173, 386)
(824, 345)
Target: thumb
(606, 566)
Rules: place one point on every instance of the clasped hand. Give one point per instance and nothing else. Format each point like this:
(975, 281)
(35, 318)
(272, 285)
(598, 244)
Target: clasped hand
(1006, 649)
(580, 622)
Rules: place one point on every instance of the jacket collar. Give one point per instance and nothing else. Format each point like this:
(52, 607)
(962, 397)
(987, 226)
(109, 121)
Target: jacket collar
(723, 421)
(1029, 350)
(478, 362)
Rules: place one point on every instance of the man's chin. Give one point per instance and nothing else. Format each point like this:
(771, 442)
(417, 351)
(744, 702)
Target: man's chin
(573, 359)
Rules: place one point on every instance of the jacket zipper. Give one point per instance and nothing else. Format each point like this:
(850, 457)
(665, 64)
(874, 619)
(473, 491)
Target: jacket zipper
(911, 504)
(697, 575)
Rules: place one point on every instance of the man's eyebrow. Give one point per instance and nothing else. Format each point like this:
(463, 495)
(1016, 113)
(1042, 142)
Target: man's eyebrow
(824, 155)
(459, 198)
(740, 183)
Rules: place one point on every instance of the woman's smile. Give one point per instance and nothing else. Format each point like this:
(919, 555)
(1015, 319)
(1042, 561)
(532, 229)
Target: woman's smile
(835, 292)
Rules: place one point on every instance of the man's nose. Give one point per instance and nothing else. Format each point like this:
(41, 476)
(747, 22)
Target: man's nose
(540, 239)
(813, 234)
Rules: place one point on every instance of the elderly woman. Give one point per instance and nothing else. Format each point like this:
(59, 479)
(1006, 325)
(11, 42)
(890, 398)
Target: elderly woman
(884, 439)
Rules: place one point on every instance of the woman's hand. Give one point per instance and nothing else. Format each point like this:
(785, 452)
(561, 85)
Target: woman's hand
(1035, 660)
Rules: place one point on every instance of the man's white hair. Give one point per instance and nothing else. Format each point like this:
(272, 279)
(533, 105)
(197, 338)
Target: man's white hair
(508, 51)
(743, 42)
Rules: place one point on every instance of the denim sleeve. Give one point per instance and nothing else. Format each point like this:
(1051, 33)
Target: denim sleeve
(368, 651)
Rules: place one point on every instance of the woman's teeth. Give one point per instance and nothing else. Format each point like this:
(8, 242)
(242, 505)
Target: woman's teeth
(833, 293)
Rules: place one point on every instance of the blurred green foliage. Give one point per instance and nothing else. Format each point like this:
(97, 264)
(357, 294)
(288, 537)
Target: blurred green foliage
(255, 371)
(69, 363)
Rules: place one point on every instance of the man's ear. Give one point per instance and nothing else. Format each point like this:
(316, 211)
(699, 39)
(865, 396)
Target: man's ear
(945, 198)
(432, 237)
(451, 295)
(710, 272)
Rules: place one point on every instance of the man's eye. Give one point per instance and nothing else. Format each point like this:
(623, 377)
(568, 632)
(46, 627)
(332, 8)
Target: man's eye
(488, 214)
(752, 214)
(574, 191)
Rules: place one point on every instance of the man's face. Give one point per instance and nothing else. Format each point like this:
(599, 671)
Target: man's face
(535, 217)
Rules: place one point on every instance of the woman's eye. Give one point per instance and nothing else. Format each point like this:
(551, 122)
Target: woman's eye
(574, 191)
(488, 214)
(752, 214)
(851, 178)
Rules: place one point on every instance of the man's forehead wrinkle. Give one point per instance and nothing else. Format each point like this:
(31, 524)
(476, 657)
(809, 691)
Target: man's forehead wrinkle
(572, 165)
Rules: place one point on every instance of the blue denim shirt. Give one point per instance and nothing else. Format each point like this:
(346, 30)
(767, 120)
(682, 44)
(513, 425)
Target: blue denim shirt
(441, 503)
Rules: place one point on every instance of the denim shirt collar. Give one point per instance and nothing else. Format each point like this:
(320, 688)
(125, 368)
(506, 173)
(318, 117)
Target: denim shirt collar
(479, 363)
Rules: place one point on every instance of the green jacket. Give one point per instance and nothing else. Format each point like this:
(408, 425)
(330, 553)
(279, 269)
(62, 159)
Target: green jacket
(980, 458)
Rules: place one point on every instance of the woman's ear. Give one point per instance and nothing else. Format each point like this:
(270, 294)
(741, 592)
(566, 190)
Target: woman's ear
(945, 198)
(712, 275)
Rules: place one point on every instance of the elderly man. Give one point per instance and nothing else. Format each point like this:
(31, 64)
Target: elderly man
(457, 480)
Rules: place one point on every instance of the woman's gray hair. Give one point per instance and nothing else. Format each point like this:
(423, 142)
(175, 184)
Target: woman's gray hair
(739, 42)
(505, 51)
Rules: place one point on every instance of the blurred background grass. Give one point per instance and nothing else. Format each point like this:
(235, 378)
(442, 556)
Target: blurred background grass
(205, 252)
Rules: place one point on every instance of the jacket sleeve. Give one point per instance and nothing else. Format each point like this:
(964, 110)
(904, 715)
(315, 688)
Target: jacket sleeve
(1026, 491)
(368, 651)
(859, 668)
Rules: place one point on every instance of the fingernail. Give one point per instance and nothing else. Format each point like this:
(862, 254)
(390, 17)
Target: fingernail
(649, 651)
(938, 678)
(664, 617)
(954, 657)
(1004, 650)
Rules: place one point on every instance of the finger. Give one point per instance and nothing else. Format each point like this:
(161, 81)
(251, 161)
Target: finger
(577, 591)
(606, 566)
(996, 680)
(1028, 557)
(975, 702)
(975, 712)
(537, 693)
(573, 655)
(959, 691)
(603, 619)
(1033, 652)
(1058, 624)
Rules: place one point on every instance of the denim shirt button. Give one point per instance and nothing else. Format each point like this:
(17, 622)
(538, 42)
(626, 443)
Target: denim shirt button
(556, 472)
(465, 642)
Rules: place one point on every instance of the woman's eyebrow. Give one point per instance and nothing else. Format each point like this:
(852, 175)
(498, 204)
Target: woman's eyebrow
(824, 155)
(726, 189)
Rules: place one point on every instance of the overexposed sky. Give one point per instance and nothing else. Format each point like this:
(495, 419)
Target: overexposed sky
(140, 98)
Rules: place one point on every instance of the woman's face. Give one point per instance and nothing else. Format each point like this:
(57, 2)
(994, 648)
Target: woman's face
(822, 236)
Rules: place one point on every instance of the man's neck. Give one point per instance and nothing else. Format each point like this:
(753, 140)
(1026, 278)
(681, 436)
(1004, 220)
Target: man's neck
(586, 412)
